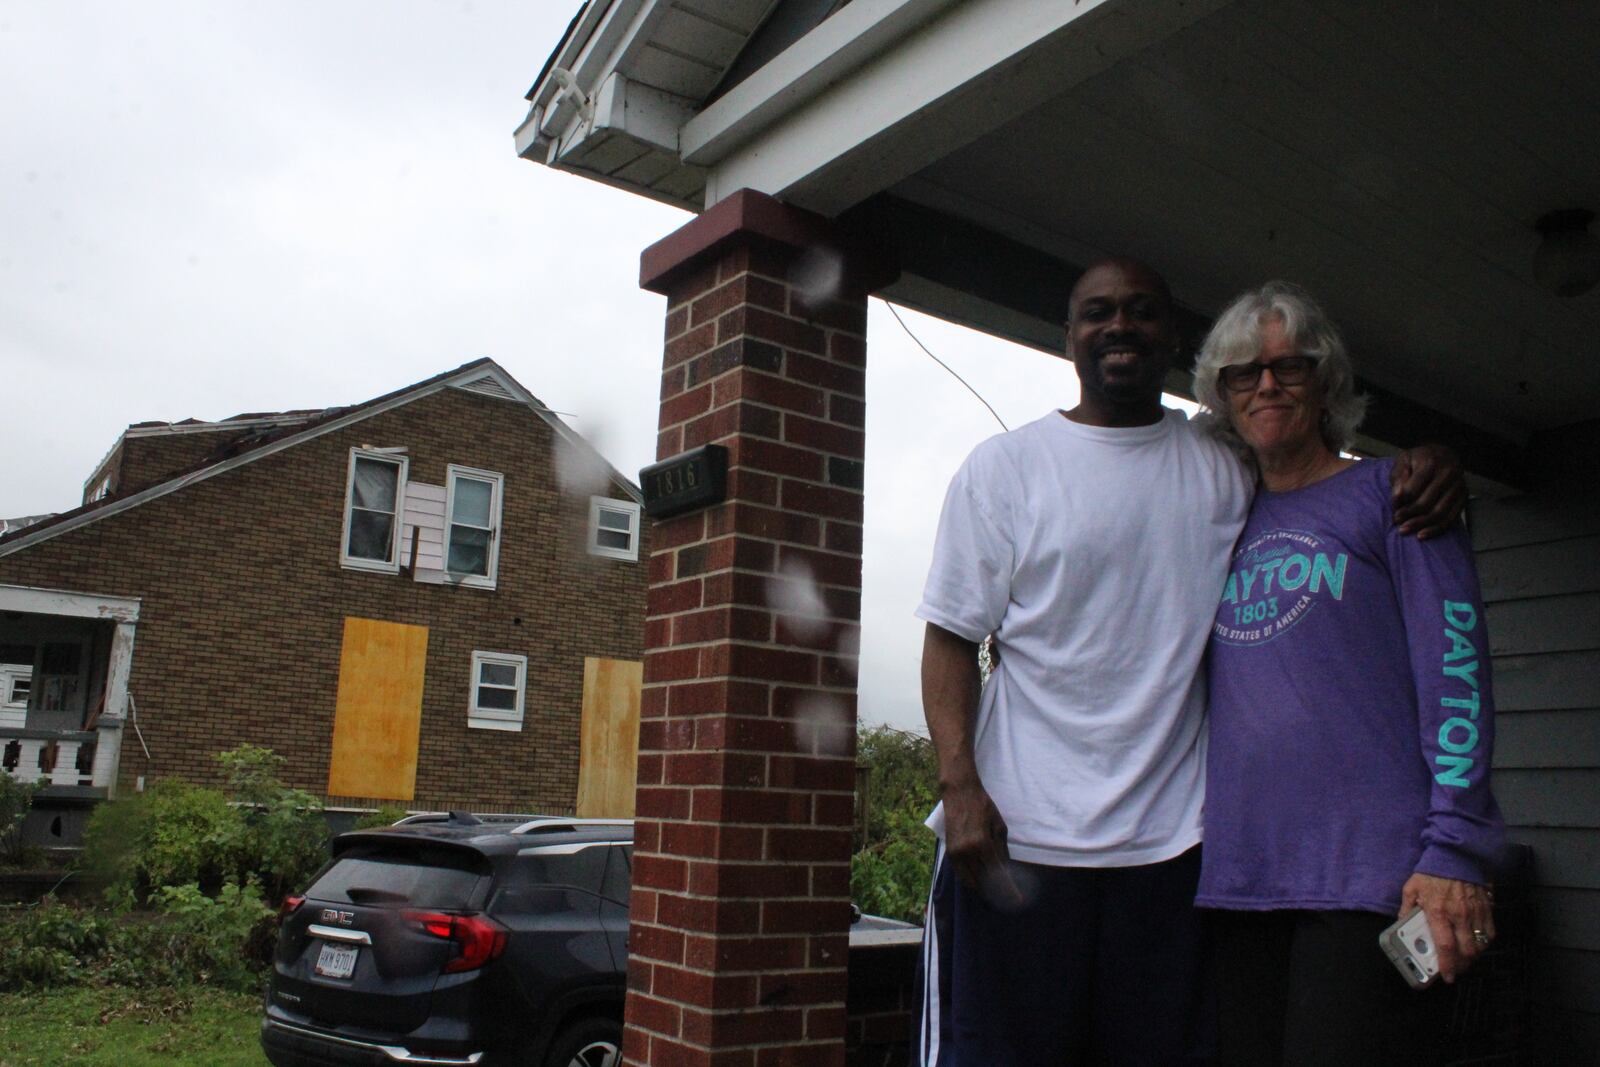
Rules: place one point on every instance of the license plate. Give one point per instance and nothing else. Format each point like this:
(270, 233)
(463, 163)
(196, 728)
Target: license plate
(337, 961)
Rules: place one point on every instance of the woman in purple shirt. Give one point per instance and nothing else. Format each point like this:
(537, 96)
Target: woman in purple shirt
(1351, 718)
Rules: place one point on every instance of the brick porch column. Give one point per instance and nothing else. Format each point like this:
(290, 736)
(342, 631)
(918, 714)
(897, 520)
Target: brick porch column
(740, 906)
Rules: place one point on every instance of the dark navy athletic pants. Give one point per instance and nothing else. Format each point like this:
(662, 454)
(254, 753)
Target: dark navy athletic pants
(1096, 966)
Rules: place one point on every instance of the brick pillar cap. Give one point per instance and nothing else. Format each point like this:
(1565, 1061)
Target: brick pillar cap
(746, 215)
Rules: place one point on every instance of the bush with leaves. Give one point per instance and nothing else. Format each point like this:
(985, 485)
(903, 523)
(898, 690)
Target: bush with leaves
(177, 834)
(893, 862)
(50, 945)
(187, 937)
(284, 838)
(210, 933)
(174, 833)
(16, 800)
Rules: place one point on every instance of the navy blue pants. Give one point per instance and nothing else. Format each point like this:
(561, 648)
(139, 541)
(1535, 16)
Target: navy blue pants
(1098, 965)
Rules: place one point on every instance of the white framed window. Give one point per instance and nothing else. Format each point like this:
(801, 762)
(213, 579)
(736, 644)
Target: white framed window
(499, 686)
(613, 528)
(472, 526)
(374, 489)
(15, 684)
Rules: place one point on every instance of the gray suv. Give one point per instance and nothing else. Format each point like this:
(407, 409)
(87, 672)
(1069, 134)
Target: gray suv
(450, 940)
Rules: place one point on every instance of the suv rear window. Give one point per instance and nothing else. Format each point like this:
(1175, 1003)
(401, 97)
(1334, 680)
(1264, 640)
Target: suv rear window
(434, 878)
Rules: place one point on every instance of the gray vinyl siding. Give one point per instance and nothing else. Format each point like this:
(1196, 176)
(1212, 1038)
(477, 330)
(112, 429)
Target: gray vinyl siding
(1539, 561)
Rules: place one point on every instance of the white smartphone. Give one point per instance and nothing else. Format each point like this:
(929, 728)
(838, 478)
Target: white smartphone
(1408, 943)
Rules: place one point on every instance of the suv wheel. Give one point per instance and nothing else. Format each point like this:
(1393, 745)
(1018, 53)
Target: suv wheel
(594, 1042)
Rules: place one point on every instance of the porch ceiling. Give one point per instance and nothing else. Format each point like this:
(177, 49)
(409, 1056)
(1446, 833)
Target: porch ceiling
(1391, 157)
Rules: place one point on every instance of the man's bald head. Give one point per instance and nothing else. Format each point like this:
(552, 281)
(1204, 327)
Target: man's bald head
(1126, 265)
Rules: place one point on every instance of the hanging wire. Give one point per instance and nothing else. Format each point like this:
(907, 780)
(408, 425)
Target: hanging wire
(945, 365)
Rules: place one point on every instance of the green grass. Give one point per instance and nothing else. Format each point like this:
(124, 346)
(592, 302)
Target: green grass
(128, 1027)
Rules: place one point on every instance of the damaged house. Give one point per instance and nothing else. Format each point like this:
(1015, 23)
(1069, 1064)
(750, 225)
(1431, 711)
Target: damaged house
(433, 598)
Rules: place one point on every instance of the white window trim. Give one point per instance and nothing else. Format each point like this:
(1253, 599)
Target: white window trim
(496, 495)
(496, 718)
(632, 508)
(356, 563)
(10, 678)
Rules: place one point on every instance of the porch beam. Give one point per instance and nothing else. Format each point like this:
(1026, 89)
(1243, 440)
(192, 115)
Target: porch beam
(34, 601)
(956, 270)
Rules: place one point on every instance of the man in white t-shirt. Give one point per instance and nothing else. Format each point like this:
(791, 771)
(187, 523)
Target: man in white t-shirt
(1093, 544)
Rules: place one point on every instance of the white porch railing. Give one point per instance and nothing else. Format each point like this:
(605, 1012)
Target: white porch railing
(60, 757)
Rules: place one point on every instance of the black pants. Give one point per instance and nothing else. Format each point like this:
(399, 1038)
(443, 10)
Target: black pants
(1097, 966)
(1308, 988)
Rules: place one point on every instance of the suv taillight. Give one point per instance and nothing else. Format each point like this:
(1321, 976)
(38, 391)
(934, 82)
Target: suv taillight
(289, 906)
(480, 939)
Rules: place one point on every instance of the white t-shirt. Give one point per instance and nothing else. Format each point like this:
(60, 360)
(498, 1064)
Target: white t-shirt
(1096, 557)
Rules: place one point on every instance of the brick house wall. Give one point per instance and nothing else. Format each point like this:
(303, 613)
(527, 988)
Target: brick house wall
(243, 602)
(143, 461)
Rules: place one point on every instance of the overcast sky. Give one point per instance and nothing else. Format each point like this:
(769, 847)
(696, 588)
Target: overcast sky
(209, 208)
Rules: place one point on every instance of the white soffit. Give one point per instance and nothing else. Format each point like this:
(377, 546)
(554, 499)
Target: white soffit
(836, 121)
(627, 78)
(869, 96)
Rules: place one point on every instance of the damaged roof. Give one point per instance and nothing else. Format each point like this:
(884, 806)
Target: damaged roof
(287, 429)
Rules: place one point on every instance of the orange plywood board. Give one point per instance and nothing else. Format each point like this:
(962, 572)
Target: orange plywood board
(609, 761)
(377, 719)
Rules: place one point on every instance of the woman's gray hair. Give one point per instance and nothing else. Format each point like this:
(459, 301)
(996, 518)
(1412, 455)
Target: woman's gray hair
(1236, 338)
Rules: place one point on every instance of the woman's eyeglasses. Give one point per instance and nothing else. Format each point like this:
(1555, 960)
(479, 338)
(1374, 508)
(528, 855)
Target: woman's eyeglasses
(1290, 370)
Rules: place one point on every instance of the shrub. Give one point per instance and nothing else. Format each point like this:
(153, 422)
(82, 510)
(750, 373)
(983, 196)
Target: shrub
(173, 834)
(188, 937)
(50, 945)
(16, 800)
(210, 933)
(893, 861)
(284, 837)
(178, 834)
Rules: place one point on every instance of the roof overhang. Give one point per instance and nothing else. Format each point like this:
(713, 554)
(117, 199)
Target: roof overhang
(1392, 158)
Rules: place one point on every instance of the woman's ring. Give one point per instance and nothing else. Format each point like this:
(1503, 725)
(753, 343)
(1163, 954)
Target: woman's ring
(1480, 937)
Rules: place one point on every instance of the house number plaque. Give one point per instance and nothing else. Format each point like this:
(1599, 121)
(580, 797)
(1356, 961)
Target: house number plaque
(689, 480)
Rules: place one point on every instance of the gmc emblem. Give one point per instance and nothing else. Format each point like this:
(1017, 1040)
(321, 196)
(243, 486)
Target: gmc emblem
(333, 915)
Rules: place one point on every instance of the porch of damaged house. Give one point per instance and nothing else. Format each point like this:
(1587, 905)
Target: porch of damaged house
(64, 663)
(1429, 170)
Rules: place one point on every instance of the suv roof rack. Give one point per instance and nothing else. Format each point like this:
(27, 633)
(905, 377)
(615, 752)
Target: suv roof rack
(549, 824)
(522, 823)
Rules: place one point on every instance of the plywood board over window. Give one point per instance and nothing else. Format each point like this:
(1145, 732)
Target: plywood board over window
(609, 758)
(378, 716)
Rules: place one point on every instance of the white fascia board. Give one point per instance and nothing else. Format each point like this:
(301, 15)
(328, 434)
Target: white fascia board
(647, 115)
(105, 461)
(830, 51)
(34, 601)
(967, 70)
(169, 429)
(601, 21)
(555, 120)
(572, 437)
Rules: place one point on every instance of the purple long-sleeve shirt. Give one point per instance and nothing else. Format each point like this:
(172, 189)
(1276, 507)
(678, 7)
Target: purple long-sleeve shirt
(1351, 714)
